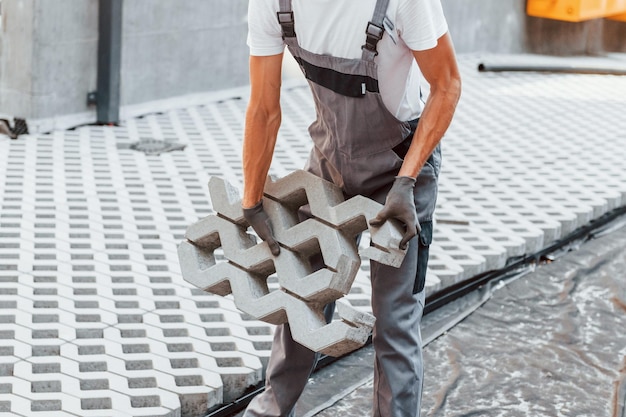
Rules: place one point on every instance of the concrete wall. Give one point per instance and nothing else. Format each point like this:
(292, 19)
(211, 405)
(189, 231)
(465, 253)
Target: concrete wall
(16, 60)
(48, 60)
(614, 36)
(1, 31)
(48, 56)
(502, 26)
(594, 37)
(48, 49)
(172, 48)
(486, 25)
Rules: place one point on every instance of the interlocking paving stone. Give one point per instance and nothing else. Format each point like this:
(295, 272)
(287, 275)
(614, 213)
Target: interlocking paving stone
(95, 317)
(329, 233)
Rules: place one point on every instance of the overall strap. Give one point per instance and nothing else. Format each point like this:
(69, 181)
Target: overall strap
(285, 19)
(374, 30)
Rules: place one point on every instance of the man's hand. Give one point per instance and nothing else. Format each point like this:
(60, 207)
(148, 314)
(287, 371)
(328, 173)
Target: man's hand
(257, 218)
(400, 205)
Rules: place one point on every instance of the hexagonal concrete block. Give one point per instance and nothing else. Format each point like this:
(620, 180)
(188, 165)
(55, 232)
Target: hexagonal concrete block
(328, 232)
(325, 202)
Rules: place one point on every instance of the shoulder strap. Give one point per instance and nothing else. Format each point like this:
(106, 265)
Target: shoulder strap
(374, 30)
(285, 19)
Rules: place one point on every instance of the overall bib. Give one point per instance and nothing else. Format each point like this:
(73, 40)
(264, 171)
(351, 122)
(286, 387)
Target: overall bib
(359, 145)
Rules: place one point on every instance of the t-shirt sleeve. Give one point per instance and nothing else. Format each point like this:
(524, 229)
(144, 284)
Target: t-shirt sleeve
(264, 32)
(421, 23)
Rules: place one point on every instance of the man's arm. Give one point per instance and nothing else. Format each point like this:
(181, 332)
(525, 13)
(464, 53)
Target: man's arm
(439, 67)
(263, 118)
(262, 123)
(440, 70)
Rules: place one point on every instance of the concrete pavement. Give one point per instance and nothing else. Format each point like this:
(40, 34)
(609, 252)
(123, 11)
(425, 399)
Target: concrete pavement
(96, 319)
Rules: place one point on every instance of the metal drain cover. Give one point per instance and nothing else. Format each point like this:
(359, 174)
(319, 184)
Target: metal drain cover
(156, 147)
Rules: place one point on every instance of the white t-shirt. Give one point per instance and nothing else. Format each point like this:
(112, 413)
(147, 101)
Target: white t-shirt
(337, 28)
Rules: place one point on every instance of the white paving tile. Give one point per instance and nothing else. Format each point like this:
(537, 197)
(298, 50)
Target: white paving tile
(96, 318)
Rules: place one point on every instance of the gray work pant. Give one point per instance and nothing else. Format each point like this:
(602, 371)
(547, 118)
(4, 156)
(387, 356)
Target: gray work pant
(397, 302)
(397, 341)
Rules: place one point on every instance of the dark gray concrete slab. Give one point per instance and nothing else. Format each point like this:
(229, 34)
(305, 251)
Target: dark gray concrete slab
(551, 343)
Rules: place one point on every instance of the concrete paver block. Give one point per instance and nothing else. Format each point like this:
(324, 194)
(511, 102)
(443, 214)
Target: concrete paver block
(329, 233)
(252, 297)
(325, 202)
(225, 199)
(462, 240)
(89, 231)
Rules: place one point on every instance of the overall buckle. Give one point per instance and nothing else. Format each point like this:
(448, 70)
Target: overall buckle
(287, 23)
(374, 34)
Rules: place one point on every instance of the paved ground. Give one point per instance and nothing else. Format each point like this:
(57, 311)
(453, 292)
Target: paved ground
(96, 318)
(549, 343)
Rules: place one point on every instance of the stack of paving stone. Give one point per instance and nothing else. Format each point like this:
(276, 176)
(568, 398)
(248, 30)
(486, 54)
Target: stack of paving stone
(329, 235)
(95, 317)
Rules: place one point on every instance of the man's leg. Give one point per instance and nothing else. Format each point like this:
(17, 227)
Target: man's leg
(398, 300)
(287, 373)
(288, 369)
(398, 368)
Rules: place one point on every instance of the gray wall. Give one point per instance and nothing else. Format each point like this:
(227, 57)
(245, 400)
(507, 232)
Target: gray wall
(48, 48)
(502, 26)
(486, 25)
(49, 52)
(48, 56)
(174, 47)
(16, 82)
(614, 36)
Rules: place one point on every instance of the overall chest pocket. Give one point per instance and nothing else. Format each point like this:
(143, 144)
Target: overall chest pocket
(356, 127)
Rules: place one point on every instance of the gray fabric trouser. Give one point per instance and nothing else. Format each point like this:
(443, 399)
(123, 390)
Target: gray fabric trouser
(397, 341)
(398, 300)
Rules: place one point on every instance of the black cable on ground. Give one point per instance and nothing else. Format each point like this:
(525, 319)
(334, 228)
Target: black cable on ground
(447, 295)
(621, 400)
(562, 69)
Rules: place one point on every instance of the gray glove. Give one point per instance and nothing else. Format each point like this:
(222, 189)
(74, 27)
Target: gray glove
(400, 205)
(257, 218)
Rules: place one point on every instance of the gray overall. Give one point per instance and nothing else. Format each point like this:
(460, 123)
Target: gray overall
(359, 145)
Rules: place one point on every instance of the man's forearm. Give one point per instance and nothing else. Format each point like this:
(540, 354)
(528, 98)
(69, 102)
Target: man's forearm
(258, 147)
(262, 122)
(433, 123)
(439, 67)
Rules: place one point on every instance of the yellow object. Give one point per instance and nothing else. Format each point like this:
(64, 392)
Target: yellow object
(615, 7)
(616, 10)
(620, 17)
(576, 10)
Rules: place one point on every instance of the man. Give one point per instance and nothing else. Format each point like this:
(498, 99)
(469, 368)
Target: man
(360, 59)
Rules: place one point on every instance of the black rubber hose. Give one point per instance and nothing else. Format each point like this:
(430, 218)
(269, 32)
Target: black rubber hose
(561, 69)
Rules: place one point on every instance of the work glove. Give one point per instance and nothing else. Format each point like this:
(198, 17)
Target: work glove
(257, 218)
(400, 205)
